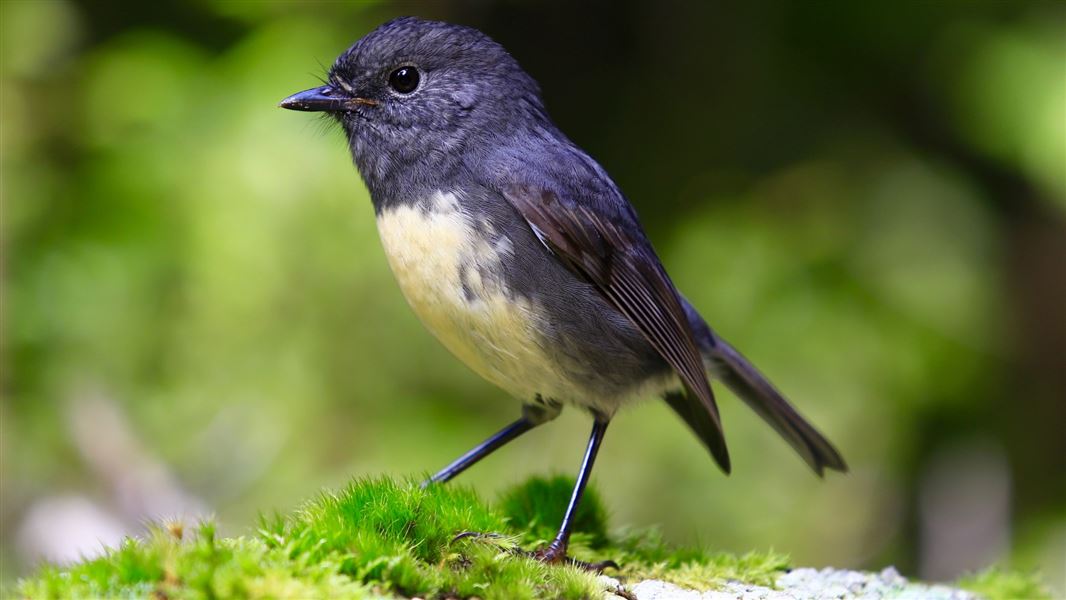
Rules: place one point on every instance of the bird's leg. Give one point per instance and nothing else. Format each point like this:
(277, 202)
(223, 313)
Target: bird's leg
(482, 450)
(555, 552)
(532, 415)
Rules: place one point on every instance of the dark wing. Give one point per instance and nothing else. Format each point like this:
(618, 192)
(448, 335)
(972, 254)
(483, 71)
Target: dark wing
(623, 267)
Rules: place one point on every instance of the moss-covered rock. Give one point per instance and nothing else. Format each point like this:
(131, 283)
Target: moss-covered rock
(385, 538)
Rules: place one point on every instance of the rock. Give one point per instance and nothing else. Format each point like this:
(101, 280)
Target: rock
(808, 584)
(824, 584)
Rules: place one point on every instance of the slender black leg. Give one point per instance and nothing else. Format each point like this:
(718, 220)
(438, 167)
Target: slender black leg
(556, 550)
(482, 450)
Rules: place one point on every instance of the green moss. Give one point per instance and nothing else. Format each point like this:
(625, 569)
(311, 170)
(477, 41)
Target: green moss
(383, 538)
(998, 584)
(165, 565)
(375, 537)
(537, 507)
(644, 555)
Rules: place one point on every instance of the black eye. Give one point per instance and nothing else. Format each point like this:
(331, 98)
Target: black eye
(404, 80)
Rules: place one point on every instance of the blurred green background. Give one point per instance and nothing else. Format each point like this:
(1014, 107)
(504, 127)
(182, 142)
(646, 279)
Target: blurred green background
(868, 198)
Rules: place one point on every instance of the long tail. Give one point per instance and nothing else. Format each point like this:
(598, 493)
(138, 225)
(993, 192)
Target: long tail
(757, 392)
(753, 388)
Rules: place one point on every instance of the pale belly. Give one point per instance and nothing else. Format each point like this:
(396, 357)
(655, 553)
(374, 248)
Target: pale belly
(442, 260)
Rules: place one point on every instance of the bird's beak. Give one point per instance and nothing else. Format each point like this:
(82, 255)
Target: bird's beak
(325, 98)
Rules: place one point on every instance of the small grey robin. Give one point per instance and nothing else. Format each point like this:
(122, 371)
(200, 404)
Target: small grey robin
(519, 253)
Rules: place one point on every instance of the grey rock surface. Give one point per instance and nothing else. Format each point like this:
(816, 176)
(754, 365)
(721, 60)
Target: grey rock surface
(809, 584)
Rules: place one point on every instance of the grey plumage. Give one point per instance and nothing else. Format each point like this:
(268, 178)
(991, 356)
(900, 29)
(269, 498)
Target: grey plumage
(542, 261)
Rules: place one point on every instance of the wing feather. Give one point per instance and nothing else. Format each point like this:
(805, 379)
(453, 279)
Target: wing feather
(616, 258)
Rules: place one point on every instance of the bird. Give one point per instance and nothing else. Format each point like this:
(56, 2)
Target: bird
(521, 255)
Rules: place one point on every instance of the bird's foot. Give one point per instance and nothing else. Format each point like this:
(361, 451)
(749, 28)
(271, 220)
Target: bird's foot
(552, 554)
(477, 535)
(555, 554)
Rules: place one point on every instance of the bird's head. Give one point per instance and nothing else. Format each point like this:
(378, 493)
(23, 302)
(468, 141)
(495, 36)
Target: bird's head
(413, 87)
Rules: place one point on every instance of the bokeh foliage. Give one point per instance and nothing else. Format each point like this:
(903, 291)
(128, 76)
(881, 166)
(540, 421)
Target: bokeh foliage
(867, 198)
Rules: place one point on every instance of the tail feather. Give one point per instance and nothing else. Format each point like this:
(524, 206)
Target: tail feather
(699, 419)
(753, 388)
(732, 369)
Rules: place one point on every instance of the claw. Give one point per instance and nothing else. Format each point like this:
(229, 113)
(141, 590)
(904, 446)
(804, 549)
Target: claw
(596, 567)
(553, 554)
(477, 535)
